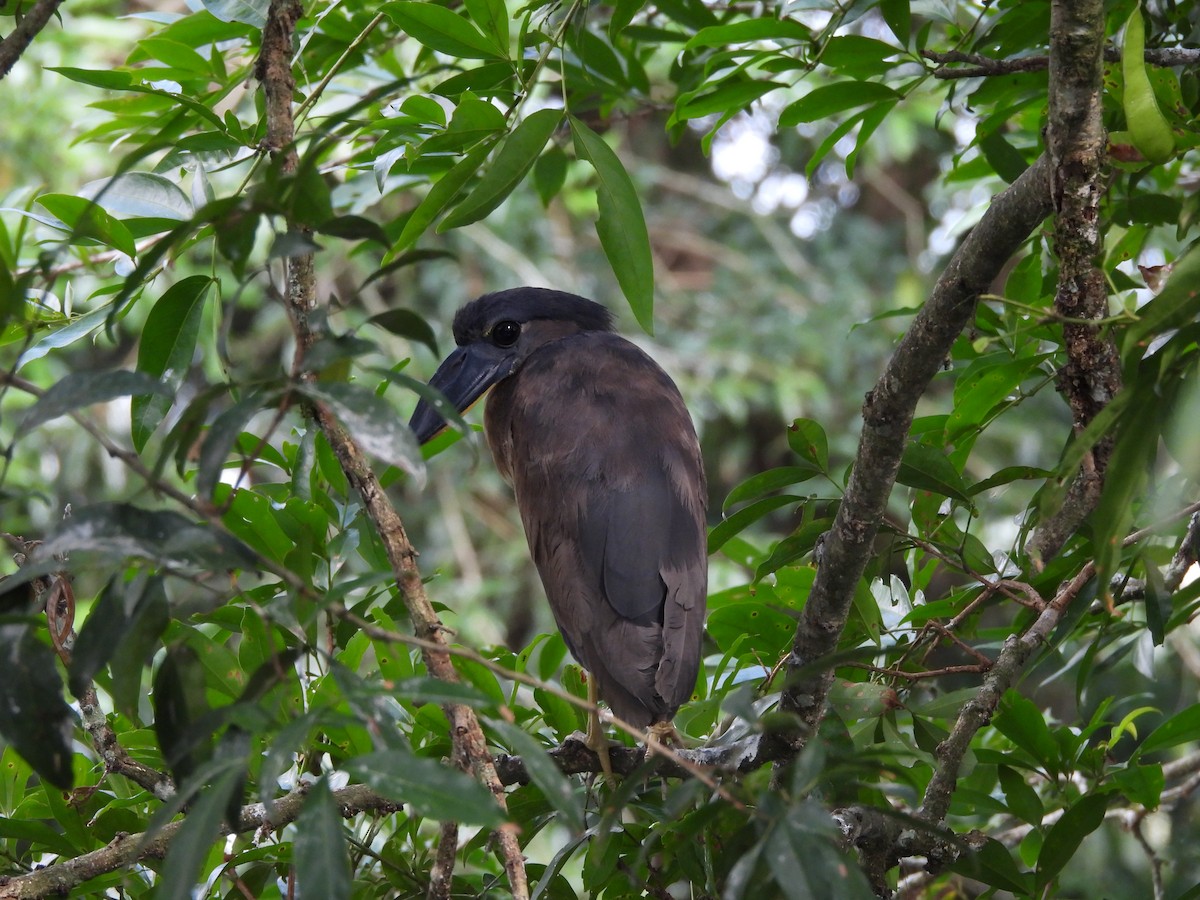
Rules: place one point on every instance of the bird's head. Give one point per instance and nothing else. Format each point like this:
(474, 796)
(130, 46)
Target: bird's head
(495, 335)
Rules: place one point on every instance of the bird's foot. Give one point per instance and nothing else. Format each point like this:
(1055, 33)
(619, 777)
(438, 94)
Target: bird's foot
(662, 734)
(599, 744)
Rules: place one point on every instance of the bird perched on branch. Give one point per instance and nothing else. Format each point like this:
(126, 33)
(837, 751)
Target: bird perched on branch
(596, 441)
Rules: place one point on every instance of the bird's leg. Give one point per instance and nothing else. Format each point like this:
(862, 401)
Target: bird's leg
(596, 740)
(662, 734)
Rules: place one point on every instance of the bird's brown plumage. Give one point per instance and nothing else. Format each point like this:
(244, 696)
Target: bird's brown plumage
(606, 466)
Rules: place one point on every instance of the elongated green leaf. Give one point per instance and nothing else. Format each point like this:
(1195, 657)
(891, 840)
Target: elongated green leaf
(1181, 728)
(34, 718)
(621, 225)
(1022, 722)
(248, 12)
(407, 324)
(87, 220)
(743, 518)
(563, 796)
(121, 530)
(430, 787)
(981, 387)
(77, 330)
(993, 865)
(770, 480)
(731, 96)
(222, 435)
(440, 196)
(319, 851)
(808, 441)
(830, 99)
(515, 158)
(1022, 799)
(373, 423)
(79, 389)
(439, 28)
(141, 194)
(104, 630)
(492, 18)
(761, 29)
(194, 841)
(1067, 834)
(926, 468)
(165, 351)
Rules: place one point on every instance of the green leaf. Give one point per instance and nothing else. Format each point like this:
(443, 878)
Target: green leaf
(354, 228)
(219, 441)
(1022, 799)
(430, 787)
(122, 531)
(808, 441)
(440, 196)
(1022, 722)
(78, 389)
(180, 702)
(993, 865)
(516, 156)
(492, 18)
(743, 518)
(550, 174)
(543, 772)
(193, 843)
(898, 15)
(438, 28)
(141, 195)
(732, 95)
(373, 423)
(165, 351)
(34, 718)
(765, 629)
(620, 226)
(747, 30)
(248, 12)
(88, 220)
(406, 324)
(1181, 728)
(770, 480)
(926, 468)
(319, 850)
(1065, 835)
(111, 620)
(830, 99)
(978, 390)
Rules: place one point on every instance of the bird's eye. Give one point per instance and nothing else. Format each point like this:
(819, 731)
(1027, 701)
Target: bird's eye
(505, 334)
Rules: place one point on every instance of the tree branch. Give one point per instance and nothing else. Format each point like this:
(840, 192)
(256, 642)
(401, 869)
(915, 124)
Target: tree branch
(22, 36)
(125, 849)
(1077, 145)
(887, 416)
(979, 66)
(274, 70)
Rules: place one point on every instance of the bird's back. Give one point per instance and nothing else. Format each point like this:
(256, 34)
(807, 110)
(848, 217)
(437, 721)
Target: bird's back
(608, 476)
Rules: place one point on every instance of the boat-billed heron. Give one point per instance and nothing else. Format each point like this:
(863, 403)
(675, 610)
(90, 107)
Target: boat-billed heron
(596, 441)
